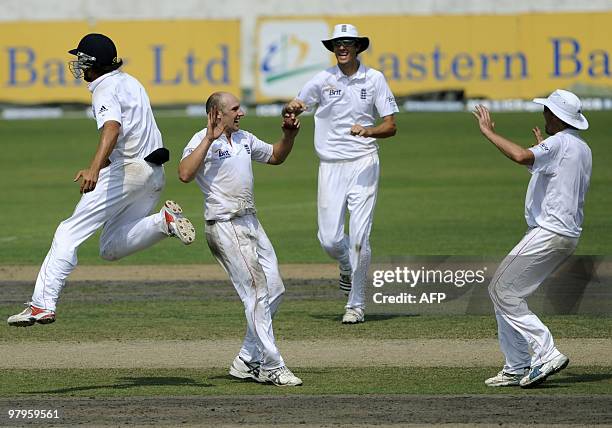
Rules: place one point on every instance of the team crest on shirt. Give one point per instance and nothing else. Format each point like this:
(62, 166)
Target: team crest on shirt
(223, 154)
(248, 149)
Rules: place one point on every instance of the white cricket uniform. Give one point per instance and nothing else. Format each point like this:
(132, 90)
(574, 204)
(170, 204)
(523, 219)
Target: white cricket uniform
(349, 167)
(124, 195)
(554, 211)
(236, 238)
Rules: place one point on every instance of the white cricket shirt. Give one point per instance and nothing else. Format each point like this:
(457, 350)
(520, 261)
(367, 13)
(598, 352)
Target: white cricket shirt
(120, 97)
(226, 174)
(560, 179)
(342, 102)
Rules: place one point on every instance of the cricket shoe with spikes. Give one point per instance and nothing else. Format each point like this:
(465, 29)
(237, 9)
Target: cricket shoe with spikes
(281, 376)
(244, 370)
(176, 224)
(30, 316)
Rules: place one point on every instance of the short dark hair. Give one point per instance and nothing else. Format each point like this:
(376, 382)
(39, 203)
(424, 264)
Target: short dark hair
(567, 125)
(214, 101)
(103, 69)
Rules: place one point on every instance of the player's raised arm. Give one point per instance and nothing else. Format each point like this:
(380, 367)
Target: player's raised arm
(280, 150)
(188, 167)
(511, 150)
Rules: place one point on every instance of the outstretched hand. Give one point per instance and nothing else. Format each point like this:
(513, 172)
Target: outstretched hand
(295, 106)
(538, 135)
(484, 119)
(291, 124)
(214, 128)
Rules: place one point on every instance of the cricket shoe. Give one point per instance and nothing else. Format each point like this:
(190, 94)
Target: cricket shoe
(506, 379)
(244, 370)
(281, 376)
(30, 316)
(345, 282)
(178, 225)
(538, 374)
(353, 316)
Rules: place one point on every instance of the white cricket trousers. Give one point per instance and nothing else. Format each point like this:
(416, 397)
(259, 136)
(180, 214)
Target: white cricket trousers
(243, 249)
(124, 195)
(533, 259)
(354, 185)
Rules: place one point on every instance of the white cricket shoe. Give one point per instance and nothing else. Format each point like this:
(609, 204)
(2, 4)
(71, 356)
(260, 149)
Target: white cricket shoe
(538, 374)
(176, 224)
(30, 316)
(281, 376)
(345, 282)
(506, 379)
(353, 316)
(244, 370)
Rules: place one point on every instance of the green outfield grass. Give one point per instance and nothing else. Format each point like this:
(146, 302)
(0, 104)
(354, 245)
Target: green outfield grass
(298, 319)
(444, 189)
(333, 380)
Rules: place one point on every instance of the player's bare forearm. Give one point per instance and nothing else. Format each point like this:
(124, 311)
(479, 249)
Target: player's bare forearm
(385, 129)
(281, 150)
(511, 150)
(108, 140)
(188, 167)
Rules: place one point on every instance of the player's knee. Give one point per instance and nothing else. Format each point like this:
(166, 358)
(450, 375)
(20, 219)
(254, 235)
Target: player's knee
(63, 234)
(493, 293)
(331, 245)
(276, 290)
(108, 254)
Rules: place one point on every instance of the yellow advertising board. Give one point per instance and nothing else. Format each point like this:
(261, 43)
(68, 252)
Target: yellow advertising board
(176, 61)
(495, 56)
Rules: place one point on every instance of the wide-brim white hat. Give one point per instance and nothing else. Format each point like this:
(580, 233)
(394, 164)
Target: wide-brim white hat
(566, 106)
(346, 31)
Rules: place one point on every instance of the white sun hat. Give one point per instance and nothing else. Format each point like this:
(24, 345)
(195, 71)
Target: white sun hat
(566, 106)
(346, 31)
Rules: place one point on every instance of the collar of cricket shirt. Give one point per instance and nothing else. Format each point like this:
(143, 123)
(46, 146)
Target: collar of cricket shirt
(93, 85)
(359, 74)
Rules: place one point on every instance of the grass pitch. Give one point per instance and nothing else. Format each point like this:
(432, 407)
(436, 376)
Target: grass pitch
(332, 380)
(444, 189)
(296, 320)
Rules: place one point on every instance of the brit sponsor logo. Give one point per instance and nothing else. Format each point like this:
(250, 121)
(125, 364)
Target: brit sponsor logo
(335, 92)
(223, 154)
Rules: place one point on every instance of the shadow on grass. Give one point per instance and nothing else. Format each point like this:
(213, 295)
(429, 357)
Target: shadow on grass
(368, 317)
(568, 379)
(131, 382)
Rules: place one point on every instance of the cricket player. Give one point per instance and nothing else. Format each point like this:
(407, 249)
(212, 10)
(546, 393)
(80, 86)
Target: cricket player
(121, 186)
(219, 159)
(346, 99)
(560, 168)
